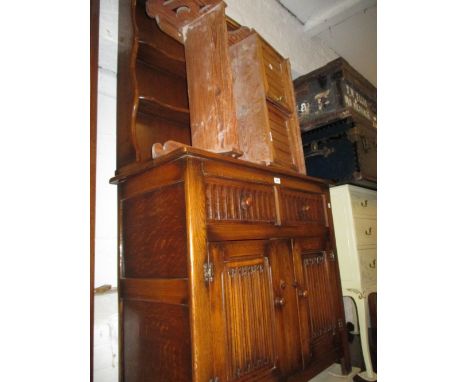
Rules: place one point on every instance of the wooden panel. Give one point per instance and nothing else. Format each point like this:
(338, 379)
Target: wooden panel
(295, 131)
(202, 350)
(154, 234)
(149, 32)
(232, 201)
(170, 291)
(299, 207)
(242, 231)
(274, 75)
(242, 312)
(157, 342)
(204, 34)
(286, 308)
(154, 177)
(322, 312)
(151, 128)
(162, 86)
(280, 137)
(249, 94)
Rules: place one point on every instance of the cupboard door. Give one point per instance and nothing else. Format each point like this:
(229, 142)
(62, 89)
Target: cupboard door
(319, 308)
(242, 311)
(286, 306)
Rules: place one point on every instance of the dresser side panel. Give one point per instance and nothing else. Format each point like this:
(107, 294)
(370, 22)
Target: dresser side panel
(345, 237)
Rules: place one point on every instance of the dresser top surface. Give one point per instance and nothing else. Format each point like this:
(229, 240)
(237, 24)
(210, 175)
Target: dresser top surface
(188, 151)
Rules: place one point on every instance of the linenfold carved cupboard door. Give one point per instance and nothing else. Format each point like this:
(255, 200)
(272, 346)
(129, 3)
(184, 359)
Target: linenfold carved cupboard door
(285, 301)
(244, 332)
(317, 273)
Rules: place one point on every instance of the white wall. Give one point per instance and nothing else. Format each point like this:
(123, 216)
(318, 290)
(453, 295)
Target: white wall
(106, 194)
(105, 306)
(283, 31)
(355, 39)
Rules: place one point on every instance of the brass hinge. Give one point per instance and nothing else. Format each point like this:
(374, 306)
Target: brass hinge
(208, 273)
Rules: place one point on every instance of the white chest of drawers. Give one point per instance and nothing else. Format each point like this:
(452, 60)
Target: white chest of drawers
(355, 220)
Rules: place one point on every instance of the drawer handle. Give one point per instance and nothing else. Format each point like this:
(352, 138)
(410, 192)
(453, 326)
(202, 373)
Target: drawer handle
(305, 208)
(364, 203)
(246, 202)
(303, 293)
(279, 99)
(279, 301)
(368, 232)
(372, 265)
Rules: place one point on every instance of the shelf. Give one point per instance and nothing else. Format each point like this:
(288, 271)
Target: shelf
(152, 106)
(153, 56)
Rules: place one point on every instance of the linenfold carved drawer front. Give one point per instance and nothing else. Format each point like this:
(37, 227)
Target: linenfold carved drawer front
(301, 207)
(228, 200)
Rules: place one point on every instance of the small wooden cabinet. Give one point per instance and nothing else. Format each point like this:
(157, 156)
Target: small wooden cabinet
(265, 105)
(227, 272)
(355, 218)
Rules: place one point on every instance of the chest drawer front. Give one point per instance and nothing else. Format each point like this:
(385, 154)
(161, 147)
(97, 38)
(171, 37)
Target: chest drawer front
(301, 207)
(366, 232)
(280, 137)
(368, 266)
(275, 71)
(228, 200)
(363, 203)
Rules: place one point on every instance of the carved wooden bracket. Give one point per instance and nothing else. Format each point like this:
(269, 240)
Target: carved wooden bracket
(173, 16)
(239, 34)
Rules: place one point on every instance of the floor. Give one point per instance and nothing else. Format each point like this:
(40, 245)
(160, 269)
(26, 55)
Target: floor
(333, 374)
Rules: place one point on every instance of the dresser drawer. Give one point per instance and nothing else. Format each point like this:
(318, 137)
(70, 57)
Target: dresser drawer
(275, 71)
(280, 138)
(228, 200)
(363, 203)
(366, 232)
(302, 207)
(368, 266)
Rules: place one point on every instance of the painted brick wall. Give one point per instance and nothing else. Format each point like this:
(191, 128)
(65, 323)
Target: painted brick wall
(283, 31)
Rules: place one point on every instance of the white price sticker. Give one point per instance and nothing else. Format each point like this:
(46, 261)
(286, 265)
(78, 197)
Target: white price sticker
(277, 180)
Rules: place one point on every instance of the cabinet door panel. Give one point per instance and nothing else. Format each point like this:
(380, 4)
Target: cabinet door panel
(286, 309)
(242, 311)
(320, 309)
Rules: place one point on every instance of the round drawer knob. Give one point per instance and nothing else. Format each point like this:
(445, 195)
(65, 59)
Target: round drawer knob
(279, 301)
(303, 293)
(246, 201)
